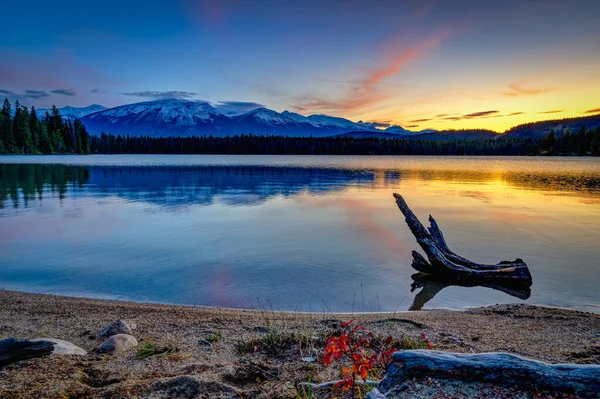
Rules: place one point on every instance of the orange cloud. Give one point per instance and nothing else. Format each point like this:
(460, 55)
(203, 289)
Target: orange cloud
(366, 90)
(517, 89)
(593, 111)
(554, 111)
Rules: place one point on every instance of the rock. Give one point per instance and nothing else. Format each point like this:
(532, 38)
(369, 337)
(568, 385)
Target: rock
(374, 394)
(62, 347)
(187, 386)
(118, 327)
(118, 343)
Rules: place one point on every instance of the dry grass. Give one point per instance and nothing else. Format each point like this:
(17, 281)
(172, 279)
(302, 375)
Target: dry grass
(256, 354)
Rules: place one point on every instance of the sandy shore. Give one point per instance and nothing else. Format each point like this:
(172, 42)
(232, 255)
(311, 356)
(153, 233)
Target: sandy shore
(253, 353)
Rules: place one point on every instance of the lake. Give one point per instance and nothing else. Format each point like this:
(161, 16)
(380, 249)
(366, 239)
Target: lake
(299, 233)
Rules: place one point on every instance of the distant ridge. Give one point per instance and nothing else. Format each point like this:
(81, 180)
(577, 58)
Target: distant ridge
(173, 117)
(72, 112)
(559, 126)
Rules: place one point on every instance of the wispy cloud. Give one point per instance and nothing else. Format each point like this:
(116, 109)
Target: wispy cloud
(64, 92)
(59, 69)
(393, 58)
(515, 113)
(161, 95)
(409, 126)
(553, 111)
(453, 118)
(420, 120)
(26, 95)
(35, 94)
(593, 111)
(517, 89)
(480, 114)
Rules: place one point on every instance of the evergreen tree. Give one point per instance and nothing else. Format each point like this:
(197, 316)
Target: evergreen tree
(595, 143)
(34, 129)
(6, 127)
(549, 142)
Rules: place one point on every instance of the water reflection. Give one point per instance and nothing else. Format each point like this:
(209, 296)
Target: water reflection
(431, 286)
(306, 233)
(174, 186)
(245, 185)
(27, 183)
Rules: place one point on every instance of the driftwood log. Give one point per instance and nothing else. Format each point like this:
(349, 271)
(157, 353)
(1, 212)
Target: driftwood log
(14, 350)
(442, 262)
(497, 368)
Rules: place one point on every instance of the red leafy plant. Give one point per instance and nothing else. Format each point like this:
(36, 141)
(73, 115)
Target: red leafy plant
(356, 345)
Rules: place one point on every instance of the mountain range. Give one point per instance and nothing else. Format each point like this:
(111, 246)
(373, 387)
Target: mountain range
(174, 117)
(72, 112)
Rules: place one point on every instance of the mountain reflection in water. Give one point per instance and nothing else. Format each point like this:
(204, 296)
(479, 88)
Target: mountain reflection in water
(311, 234)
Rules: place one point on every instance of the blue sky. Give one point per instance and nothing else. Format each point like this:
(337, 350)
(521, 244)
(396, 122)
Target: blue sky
(416, 63)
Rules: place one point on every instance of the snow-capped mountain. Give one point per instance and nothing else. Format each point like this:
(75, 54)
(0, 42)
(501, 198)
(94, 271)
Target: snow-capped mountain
(182, 117)
(332, 122)
(267, 121)
(159, 118)
(398, 130)
(267, 117)
(72, 112)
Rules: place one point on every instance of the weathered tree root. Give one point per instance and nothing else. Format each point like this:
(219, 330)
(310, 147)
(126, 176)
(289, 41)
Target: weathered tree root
(444, 263)
(13, 350)
(498, 368)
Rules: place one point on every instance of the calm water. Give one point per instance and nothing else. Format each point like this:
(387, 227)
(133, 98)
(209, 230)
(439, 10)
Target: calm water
(295, 233)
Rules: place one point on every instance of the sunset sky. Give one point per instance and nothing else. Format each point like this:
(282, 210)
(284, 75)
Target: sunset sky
(421, 64)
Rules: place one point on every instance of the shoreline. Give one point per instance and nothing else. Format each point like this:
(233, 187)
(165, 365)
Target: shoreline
(244, 341)
(232, 309)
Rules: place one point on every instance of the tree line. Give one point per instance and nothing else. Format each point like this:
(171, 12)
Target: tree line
(22, 132)
(584, 142)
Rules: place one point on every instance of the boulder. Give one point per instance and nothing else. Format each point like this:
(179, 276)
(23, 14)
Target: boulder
(62, 347)
(118, 343)
(118, 327)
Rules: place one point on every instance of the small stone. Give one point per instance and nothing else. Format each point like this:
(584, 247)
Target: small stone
(374, 394)
(63, 347)
(309, 359)
(118, 327)
(118, 343)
